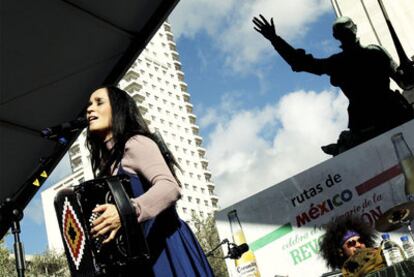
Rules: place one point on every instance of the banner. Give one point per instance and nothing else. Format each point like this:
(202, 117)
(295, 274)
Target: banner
(283, 224)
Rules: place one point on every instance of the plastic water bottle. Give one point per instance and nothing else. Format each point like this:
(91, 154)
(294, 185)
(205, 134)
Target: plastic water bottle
(391, 251)
(407, 246)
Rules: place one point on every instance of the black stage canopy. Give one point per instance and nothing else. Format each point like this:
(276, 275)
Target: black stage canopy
(53, 53)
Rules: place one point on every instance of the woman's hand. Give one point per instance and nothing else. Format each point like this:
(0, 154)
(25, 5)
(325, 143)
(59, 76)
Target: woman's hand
(108, 221)
(263, 27)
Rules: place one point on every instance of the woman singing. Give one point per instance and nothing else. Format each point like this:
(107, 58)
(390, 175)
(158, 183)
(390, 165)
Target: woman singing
(121, 143)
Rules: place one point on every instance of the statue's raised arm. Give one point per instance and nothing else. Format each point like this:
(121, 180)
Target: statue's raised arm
(298, 59)
(362, 73)
(267, 29)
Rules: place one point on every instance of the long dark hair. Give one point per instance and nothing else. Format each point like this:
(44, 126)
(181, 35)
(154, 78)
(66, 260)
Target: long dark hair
(127, 121)
(331, 244)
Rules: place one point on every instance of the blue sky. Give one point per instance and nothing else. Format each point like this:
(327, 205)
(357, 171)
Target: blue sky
(261, 122)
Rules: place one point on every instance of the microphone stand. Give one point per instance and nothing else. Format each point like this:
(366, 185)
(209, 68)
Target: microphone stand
(232, 250)
(11, 209)
(211, 252)
(16, 215)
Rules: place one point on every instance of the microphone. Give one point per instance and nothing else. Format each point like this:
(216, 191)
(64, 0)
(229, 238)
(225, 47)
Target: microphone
(64, 128)
(236, 251)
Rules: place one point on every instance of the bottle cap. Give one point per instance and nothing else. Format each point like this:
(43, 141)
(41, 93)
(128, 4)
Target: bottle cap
(404, 238)
(385, 236)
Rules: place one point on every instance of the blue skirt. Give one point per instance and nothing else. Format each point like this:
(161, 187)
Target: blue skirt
(173, 247)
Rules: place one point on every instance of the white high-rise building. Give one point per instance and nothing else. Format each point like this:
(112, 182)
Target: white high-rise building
(156, 82)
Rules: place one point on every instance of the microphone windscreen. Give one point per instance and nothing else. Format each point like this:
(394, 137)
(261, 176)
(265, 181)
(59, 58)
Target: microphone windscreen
(243, 248)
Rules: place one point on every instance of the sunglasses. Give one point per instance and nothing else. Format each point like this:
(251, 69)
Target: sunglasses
(352, 243)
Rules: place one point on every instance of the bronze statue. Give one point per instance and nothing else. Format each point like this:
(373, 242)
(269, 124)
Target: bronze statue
(362, 73)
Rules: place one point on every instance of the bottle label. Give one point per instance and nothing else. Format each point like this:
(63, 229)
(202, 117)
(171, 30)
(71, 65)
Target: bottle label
(248, 270)
(409, 250)
(393, 256)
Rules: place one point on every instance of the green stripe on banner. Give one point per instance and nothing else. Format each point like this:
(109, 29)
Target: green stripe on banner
(272, 236)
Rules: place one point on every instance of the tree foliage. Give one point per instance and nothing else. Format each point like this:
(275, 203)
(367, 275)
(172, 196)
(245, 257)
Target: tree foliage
(207, 235)
(7, 267)
(50, 263)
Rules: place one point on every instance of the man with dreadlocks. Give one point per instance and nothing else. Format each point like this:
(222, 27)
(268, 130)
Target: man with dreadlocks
(348, 244)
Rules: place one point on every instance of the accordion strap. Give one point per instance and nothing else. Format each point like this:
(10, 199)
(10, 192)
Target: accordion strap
(132, 230)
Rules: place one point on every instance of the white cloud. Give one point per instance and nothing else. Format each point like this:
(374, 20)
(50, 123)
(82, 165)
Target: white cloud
(242, 155)
(229, 24)
(193, 16)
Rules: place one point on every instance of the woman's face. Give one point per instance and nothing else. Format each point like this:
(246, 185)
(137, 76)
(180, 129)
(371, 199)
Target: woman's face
(99, 114)
(352, 245)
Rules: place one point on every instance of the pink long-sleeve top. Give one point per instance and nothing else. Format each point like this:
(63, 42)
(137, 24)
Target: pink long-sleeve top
(142, 156)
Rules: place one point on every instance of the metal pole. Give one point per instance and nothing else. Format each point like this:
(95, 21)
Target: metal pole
(18, 245)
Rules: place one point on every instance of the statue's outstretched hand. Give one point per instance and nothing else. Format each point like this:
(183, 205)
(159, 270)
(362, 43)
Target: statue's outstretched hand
(264, 27)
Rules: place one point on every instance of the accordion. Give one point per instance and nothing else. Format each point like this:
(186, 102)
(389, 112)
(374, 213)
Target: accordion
(87, 256)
